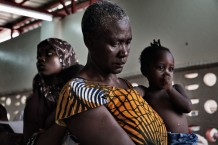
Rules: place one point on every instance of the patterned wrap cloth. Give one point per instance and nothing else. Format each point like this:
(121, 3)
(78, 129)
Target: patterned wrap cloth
(132, 112)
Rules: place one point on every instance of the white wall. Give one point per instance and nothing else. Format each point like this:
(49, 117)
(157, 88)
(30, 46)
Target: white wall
(188, 27)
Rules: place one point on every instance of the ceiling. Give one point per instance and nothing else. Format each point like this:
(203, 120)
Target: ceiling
(12, 25)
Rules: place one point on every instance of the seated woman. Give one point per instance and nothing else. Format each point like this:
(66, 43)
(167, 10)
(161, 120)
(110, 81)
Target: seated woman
(56, 64)
(98, 107)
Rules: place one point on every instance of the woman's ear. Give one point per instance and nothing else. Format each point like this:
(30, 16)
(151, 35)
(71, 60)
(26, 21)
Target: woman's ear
(88, 40)
(143, 71)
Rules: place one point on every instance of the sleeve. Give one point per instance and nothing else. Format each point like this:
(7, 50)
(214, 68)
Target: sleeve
(76, 97)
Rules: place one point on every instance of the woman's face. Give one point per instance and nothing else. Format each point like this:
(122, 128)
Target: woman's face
(48, 62)
(110, 50)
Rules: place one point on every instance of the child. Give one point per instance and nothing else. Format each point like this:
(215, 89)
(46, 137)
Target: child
(56, 64)
(170, 101)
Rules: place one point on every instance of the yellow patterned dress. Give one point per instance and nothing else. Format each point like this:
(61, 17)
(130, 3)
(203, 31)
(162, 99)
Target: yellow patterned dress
(132, 112)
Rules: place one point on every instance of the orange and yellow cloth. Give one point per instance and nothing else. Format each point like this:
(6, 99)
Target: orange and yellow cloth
(132, 112)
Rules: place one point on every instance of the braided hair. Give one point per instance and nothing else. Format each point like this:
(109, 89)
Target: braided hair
(150, 53)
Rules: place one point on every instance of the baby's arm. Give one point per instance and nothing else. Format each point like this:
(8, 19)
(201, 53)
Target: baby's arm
(179, 98)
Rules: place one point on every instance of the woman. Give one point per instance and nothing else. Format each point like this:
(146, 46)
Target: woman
(98, 107)
(56, 64)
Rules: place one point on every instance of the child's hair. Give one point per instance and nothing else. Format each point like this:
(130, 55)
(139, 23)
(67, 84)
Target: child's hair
(148, 55)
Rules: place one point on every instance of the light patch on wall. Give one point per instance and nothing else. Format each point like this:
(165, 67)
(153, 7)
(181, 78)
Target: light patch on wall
(15, 112)
(209, 79)
(14, 102)
(210, 106)
(194, 127)
(8, 101)
(23, 99)
(17, 104)
(192, 87)
(191, 75)
(9, 116)
(17, 97)
(195, 101)
(193, 113)
(3, 98)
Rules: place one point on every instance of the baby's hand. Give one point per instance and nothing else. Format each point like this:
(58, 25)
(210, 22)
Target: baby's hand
(167, 83)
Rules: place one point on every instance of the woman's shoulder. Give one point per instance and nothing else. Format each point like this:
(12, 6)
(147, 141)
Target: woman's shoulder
(86, 92)
(74, 84)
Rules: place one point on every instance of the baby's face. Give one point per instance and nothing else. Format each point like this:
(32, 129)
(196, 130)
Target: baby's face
(161, 70)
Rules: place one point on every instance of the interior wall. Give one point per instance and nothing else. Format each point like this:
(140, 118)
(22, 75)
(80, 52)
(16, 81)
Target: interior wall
(188, 28)
(202, 89)
(18, 62)
(72, 32)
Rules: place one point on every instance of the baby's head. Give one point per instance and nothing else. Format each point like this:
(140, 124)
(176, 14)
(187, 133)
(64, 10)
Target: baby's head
(155, 56)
